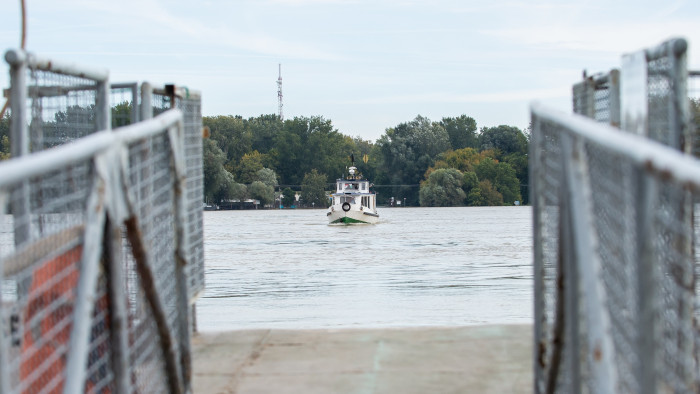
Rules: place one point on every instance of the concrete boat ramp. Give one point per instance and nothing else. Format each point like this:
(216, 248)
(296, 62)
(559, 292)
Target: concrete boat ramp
(470, 359)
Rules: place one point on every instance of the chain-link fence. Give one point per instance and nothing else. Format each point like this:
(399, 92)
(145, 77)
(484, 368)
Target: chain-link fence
(694, 94)
(131, 102)
(160, 99)
(615, 281)
(598, 97)
(56, 103)
(614, 262)
(96, 243)
(647, 96)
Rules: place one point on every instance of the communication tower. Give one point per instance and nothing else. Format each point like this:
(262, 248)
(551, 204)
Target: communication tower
(279, 93)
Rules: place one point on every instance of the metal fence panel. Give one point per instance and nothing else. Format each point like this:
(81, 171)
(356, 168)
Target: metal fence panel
(191, 107)
(598, 97)
(189, 102)
(618, 163)
(60, 102)
(654, 97)
(42, 277)
(641, 219)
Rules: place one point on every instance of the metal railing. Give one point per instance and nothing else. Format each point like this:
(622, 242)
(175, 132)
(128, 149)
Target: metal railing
(615, 280)
(132, 102)
(158, 100)
(614, 240)
(598, 97)
(647, 96)
(97, 241)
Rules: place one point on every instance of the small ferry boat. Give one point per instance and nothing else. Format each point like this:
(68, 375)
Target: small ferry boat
(353, 202)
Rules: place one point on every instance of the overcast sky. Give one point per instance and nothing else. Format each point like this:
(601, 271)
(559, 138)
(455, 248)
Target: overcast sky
(364, 64)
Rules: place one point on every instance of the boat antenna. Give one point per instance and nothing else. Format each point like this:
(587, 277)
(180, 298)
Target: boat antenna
(352, 159)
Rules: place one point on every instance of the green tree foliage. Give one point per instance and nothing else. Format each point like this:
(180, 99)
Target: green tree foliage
(366, 158)
(462, 132)
(121, 114)
(443, 189)
(482, 166)
(225, 188)
(288, 197)
(407, 151)
(263, 131)
(308, 143)
(695, 117)
(484, 195)
(464, 159)
(217, 181)
(258, 190)
(403, 158)
(519, 163)
(238, 191)
(75, 122)
(5, 147)
(510, 145)
(501, 177)
(232, 136)
(313, 189)
(267, 176)
(504, 140)
(469, 181)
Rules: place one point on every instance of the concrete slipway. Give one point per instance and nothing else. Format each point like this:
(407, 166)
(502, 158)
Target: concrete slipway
(471, 359)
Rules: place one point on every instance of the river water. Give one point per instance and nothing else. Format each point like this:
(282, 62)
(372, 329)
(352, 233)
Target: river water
(416, 267)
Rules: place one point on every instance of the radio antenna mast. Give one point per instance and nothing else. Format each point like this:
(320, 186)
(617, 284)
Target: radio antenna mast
(279, 93)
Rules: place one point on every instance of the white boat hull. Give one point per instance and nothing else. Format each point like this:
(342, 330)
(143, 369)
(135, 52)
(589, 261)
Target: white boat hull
(336, 215)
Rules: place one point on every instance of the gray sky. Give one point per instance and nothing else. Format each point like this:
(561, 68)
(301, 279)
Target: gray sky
(365, 65)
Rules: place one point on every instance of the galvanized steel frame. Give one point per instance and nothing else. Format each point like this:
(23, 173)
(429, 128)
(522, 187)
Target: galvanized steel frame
(107, 205)
(585, 97)
(652, 162)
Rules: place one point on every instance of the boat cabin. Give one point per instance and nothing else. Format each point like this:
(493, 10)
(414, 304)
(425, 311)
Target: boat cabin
(354, 192)
(351, 186)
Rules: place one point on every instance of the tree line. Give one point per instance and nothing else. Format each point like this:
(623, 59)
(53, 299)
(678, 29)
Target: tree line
(419, 162)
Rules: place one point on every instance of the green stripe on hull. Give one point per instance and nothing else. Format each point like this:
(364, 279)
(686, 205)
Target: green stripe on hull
(348, 220)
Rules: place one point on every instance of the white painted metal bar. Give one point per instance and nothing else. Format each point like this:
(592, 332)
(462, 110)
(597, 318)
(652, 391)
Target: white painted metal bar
(18, 169)
(146, 101)
(118, 314)
(569, 262)
(104, 112)
(177, 137)
(539, 350)
(614, 99)
(19, 139)
(648, 277)
(655, 158)
(601, 351)
(672, 47)
(4, 341)
(18, 56)
(634, 94)
(79, 343)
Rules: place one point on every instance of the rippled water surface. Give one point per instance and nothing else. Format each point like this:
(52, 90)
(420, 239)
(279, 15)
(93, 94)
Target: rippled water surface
(416, 267)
